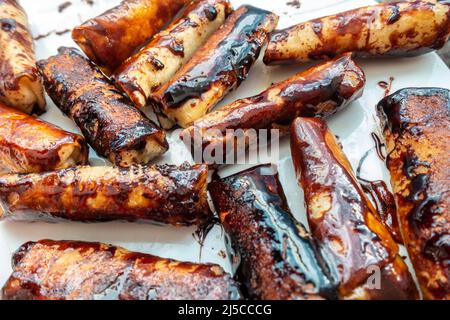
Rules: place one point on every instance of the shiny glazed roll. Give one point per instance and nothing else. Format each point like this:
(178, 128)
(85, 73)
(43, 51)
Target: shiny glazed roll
(417, 122)
(30, 145)
(70, 270)
(317, 92)
(358, 247)
(399, 29)
(110, 123)
(116, 34)
(162, 194)
(20, 86)
(156, 63)
(278, 259)
(219, 66)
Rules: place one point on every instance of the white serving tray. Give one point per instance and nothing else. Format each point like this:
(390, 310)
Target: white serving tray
(353, 126)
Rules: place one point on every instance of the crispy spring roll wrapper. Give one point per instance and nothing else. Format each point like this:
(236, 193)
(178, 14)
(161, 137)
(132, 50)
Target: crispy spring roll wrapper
(161, 194)
(116, 34)
(342, 218)
(401, 29)
(317, 92)
(279, 260)
(110, 123)
(70, 270)
(30, 145)
(20, 85)
(417, 122)
(156, 63)
(219, 66)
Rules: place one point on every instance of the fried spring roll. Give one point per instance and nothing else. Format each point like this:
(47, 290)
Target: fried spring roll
(400, 29)
(342, 218)
(279, 260)
(69, 270)
(317, 92)
(417, 135)
(216, 68)
(110, 123)
(30, 145)
(169, 50)
(20, 85)
(162, 194)
(116, 34)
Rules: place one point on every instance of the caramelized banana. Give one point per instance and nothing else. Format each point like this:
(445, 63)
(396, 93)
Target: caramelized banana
(317, 92)
(417, 135)
(162, 194)
(110, 123)
(30, 145)
(279, 260)
(216, 68)
(116, 34)
(358, 246)
(69, 270)
(399, 29)
(20, 86)
(169, 50)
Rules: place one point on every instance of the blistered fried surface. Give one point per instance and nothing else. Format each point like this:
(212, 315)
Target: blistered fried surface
(399, 29)
(317, 92)
(156, 63)
(110, 123)
(340, 216)
(30, 145)
(417, 135)
(20, 86)
(68, 270)
(116, 34)
(164, 194)
(278, 259)
(219, 66)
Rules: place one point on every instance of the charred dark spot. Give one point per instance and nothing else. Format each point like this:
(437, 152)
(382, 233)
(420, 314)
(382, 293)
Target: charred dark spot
(210, 12)
(438, 248)
(395, 15)
(7, 24)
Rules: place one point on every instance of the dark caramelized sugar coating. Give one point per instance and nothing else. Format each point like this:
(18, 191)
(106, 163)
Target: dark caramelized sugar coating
(116, 34)
(341, 217)
(110, 123)
(165, 194)
(417, 133)
(68, 270)
(278, 259)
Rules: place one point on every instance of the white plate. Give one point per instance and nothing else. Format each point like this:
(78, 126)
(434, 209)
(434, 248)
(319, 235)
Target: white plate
(353, 126)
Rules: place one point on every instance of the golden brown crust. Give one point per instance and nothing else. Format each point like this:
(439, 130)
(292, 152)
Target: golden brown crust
(317, 92)
(116, 34)
(110, 123)
(156, 63)
(162, 194)
(404, 28)
(417, 135)
(20, 85)
(69, 270)
(220, 65)
(278, 259)
(340, 216)
(30, 145)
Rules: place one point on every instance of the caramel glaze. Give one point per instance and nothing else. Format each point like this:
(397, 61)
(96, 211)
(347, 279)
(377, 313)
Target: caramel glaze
(279, 260)
(343, 220)
(416, 131)
(222, 63)
(30, 145)
(20, 86)
(403, 28)
(317, 92)
(110, 123)
(161, 58)
(69, 270)
(116, 34)
(162, 194)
